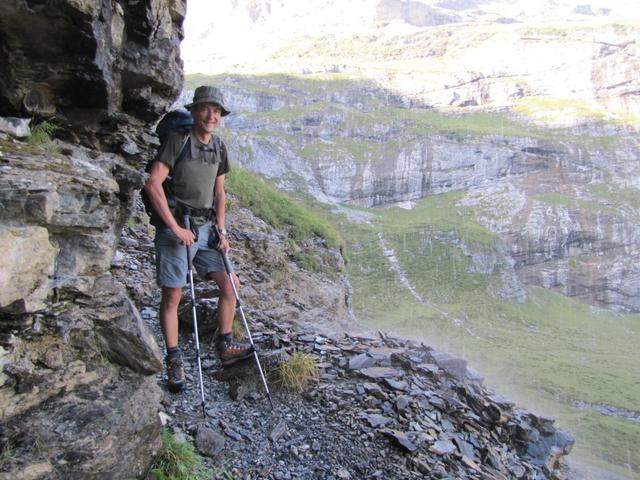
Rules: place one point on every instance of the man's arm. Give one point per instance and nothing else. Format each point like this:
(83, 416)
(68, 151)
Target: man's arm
(219, 201)
(153, 187)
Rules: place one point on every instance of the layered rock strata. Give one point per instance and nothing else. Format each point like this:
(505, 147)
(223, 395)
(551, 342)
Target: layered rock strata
(76, 398)
(98, 69)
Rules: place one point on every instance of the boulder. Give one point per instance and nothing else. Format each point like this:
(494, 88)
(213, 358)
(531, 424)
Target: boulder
(27, 261)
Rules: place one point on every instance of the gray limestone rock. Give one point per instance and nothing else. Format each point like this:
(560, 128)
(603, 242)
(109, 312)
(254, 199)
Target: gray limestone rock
(209, 442)
(27, 262)
(16, 127)
(106, 65)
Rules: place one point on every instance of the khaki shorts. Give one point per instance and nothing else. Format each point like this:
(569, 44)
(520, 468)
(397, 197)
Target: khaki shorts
(171, 258)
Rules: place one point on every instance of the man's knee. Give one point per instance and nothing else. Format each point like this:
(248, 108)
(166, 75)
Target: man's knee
(227, 289)
(222, 280)
(171, 296)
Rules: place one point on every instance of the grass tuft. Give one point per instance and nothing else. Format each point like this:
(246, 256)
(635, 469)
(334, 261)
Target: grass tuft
(295, 373)
(42, 135)
(177, 461)
(237, 330)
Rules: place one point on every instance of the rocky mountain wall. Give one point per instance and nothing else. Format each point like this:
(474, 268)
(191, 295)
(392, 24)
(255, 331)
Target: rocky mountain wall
(75, 353)
(77, 395)
(99, 69)
(562, 201)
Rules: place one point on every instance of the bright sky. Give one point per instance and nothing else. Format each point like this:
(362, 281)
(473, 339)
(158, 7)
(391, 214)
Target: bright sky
(222, 34)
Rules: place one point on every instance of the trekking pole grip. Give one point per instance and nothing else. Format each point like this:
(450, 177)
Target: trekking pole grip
(186, 214)
(227, 265)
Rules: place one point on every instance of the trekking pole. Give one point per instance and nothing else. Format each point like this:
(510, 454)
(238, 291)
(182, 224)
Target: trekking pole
(187, 225)
(227, 267)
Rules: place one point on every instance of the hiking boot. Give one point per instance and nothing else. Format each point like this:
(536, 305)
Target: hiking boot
(231, 352)
(175, 373)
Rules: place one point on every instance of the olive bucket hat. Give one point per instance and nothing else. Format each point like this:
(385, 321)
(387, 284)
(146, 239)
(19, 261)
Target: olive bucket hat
(207, 94)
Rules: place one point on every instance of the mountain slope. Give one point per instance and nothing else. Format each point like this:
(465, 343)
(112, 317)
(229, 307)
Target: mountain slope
(494, 207)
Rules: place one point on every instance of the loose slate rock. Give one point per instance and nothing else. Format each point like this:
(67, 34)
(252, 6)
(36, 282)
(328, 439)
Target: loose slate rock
(278, 431)
(454, 366)
(443, 447)
(399, 385)
(209, 442)
(361, 361)
(337, 427)
(376, 420)
(375, 390)
(401, 438)
(380, 372)
(402, 403)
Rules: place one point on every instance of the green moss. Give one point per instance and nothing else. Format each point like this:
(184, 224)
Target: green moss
(581, 205)
(278, 209)
(178, 461)
(551, 109)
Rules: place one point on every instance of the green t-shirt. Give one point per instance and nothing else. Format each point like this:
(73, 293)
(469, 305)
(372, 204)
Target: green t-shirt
(194, 177)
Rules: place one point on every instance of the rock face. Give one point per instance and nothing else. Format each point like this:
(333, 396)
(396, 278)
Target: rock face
(562, 203)
(414, 13)
(76, 356)
(75, 353)
(91, 66)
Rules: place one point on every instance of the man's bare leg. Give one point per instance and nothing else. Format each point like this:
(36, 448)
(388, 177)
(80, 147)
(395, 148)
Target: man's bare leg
(169, 323)
(229, 350)
(227, 300)
(169, 315)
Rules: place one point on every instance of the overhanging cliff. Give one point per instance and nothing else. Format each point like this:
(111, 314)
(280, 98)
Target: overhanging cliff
(76, 396)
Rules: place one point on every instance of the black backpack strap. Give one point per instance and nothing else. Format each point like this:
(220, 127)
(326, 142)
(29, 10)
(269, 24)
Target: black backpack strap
(183, 151)
(218, 147)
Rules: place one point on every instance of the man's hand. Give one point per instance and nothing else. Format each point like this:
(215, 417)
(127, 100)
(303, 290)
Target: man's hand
(223, 244)
(185, 236)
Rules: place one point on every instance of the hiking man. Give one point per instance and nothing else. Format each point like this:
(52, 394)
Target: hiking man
(197, 184)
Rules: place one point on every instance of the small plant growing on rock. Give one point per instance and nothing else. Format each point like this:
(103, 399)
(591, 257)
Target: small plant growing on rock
(296, 372)
(177, 461)
(237, 330)
(41, 135)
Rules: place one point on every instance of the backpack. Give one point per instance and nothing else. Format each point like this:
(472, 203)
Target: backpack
(175, 120)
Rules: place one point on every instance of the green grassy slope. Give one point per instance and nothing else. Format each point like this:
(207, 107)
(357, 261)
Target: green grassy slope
(547, 353)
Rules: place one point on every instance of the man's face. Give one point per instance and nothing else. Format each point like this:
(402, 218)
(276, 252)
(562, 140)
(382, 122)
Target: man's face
(206, 117)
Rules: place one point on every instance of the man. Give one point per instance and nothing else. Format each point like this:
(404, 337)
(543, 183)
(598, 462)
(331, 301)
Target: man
(198, 184)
